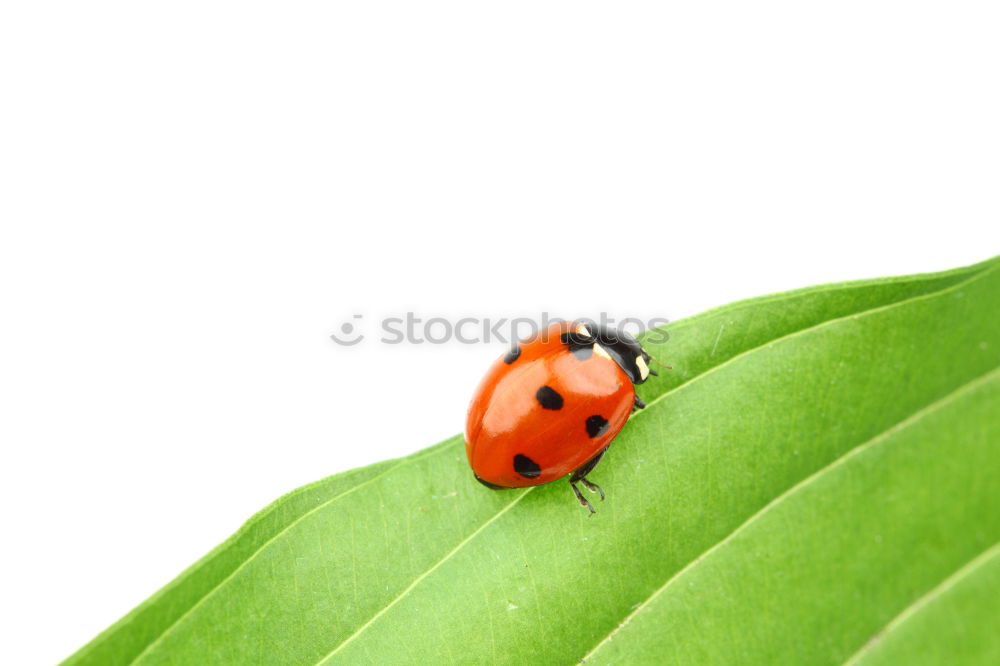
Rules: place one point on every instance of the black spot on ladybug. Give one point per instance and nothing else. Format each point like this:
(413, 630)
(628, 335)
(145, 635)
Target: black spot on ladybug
(526, 467)
(548, 398)
(512, 355)
(597, 425)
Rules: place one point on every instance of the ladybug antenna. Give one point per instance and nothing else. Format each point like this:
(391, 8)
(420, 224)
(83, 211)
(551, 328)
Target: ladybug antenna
(668, 367)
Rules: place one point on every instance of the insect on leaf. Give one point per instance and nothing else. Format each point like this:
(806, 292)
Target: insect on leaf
(817, 481)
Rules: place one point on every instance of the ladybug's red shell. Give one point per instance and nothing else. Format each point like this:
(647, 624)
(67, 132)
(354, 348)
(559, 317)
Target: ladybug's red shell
(544, 410)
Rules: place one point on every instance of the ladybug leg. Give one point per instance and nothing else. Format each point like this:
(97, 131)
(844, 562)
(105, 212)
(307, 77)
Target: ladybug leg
(592, 487)
(637, 404)
(579, 476)
(581, 498)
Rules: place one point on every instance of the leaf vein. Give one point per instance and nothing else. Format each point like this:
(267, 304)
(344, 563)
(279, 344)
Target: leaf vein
(421, 577)
(149, 648)
(922, 602)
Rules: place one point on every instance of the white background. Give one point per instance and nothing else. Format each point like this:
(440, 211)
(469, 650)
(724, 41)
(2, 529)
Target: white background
(196, 195)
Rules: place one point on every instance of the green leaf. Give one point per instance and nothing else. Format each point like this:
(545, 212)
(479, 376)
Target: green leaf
(802, 488)
(955, 623)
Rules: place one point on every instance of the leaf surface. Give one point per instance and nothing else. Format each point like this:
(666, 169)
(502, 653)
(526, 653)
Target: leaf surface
(817, 462)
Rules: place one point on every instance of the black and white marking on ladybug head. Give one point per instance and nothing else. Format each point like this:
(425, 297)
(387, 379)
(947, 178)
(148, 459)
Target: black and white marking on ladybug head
(580, 342)
(619, 346)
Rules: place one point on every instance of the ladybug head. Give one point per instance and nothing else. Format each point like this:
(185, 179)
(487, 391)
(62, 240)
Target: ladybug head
(623, 349)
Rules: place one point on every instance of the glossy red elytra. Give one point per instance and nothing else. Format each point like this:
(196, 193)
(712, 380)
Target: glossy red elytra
(551, 406)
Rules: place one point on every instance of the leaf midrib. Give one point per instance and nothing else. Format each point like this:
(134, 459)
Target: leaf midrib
(837, 462)
(863, 312)
(328, 502)
(422, 576)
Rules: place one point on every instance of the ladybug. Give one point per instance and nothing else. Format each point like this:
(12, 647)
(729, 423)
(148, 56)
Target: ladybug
(551, 406)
